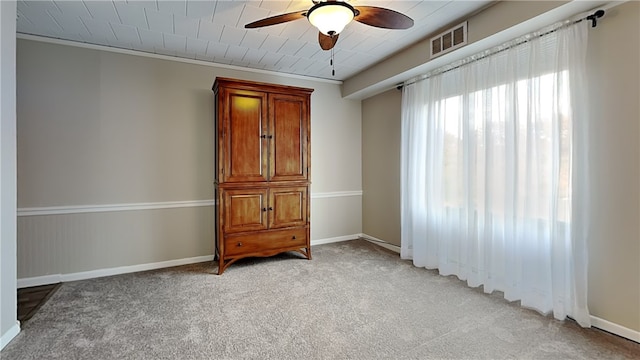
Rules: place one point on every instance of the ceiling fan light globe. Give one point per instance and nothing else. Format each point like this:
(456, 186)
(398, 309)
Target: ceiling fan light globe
(330, 18)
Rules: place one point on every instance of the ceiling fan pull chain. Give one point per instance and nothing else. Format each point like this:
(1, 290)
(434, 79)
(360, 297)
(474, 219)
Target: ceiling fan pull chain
(333, 68)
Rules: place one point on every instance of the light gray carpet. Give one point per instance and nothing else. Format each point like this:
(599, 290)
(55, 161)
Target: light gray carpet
(354, 300)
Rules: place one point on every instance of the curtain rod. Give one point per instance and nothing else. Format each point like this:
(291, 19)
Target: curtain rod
(594, 22)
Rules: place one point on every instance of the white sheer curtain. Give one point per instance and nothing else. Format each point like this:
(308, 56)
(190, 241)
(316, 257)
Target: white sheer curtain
(494, 185)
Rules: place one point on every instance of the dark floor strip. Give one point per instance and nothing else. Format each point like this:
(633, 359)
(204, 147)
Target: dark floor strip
(32, 298)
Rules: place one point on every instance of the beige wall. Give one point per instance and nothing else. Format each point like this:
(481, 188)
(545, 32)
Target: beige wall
(614, 92)
(102, 128)
(614, 77)
(381, 166)
(485, 29)
(99, 128)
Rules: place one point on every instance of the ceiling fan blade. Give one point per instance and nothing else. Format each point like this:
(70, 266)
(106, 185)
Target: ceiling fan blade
(382, 18)
(327, 42)
(278, 19)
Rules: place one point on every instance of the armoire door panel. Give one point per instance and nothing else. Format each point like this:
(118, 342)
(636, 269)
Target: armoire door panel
(245, 210)
(288, 207)
(288, 115)
(246, 138)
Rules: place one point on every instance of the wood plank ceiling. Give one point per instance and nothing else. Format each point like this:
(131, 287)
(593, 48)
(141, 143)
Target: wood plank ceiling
(213, 31)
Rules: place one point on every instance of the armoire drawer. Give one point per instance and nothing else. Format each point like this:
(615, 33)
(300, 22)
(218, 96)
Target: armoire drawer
(264, 241)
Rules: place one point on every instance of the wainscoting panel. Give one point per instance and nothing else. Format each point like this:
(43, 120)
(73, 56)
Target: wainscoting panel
(71, 243)
(55, 242)
(336, 214)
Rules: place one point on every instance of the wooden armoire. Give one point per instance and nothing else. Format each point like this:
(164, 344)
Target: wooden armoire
(262, 170)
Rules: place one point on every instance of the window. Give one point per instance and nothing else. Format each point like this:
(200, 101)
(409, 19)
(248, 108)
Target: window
(489, 147)
(494, 158)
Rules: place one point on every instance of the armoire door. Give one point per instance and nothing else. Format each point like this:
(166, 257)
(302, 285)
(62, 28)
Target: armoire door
(287, 207)
(289, 118)
(245, 210)
(245, 138)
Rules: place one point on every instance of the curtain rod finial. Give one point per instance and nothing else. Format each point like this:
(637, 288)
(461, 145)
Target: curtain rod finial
(596, 15)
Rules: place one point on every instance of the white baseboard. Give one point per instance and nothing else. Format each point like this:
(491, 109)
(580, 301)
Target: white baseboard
(382, 243)
(56, 278)
(615, 329)
(9, 335)
(39, 280)
(334, 239)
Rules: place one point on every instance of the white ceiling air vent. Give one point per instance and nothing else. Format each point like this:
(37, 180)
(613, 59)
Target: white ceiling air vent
(449, 40)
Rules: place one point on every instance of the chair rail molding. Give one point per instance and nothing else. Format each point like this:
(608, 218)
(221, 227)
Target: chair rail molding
(80, 209)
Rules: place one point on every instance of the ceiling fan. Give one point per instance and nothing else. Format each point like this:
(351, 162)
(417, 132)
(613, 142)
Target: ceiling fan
(331, 17)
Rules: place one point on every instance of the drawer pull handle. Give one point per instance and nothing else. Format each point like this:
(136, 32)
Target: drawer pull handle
(293, 238)
(239, 243)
